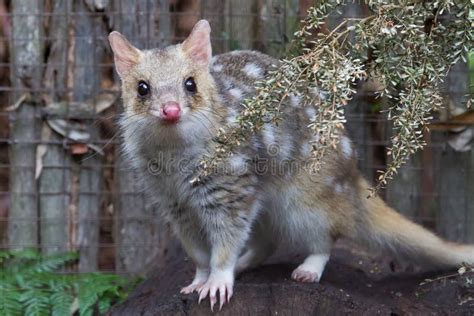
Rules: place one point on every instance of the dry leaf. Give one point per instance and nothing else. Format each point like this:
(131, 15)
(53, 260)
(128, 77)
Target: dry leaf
(19, 102)
(41, 150)
(461, 142)
(71, 130)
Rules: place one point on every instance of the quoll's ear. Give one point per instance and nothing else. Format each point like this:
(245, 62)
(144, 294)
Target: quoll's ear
(125, 54)
(198, 44)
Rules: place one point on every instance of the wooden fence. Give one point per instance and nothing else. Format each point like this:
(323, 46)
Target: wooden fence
(70, 189)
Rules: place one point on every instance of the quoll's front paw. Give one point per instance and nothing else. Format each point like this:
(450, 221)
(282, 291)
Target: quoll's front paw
(221, 283)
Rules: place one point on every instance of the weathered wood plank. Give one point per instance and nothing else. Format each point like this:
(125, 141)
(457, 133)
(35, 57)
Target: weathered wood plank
(271, 27)
(55, 178)
(242, 24)
(451, 169)
(54, 189)
(470, 198)
(137, 21)
(26, 56)
(165, 30)
(453, 172)
(86, 84)
(403, 192)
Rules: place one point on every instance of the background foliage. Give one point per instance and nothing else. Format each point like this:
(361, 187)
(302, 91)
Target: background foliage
(31, 284)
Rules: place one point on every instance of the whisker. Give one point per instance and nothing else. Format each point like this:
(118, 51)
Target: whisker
(198, 118)
(112, 138)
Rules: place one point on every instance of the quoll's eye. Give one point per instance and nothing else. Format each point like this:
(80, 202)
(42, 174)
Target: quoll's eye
(190, 85)
(143, 89)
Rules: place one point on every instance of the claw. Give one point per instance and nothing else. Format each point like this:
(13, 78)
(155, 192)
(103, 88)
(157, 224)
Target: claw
(213, 300)
(304, 276)
(199, 279)
(203, 293)
(189, 289)
(212, 297)
(221, 297)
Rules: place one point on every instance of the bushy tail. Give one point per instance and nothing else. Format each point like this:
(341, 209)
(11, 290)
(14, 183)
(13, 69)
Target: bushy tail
(387, 229)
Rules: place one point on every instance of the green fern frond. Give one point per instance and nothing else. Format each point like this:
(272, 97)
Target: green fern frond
(4, 255)
(104, 305)
(53, 262)
(26, 254)
(36, 302)
(9, 300)
(31, 285)
(61, 302)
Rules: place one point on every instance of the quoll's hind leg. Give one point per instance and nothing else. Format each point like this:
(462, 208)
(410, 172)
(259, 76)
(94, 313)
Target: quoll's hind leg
(260, 246)
(319, 247)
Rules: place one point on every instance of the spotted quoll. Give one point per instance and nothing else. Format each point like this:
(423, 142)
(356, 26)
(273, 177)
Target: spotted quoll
(176, 99)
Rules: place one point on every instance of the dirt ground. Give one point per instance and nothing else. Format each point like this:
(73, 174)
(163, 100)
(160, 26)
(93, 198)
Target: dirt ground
(354, 283)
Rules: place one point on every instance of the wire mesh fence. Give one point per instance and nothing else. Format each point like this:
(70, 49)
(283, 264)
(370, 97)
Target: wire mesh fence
(65, 186)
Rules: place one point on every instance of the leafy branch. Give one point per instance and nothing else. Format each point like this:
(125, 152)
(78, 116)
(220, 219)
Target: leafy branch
(407, 46)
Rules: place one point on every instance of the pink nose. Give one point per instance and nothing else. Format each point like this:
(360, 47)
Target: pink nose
(171, 112)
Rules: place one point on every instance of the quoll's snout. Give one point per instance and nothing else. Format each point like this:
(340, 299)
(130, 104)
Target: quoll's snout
(170, 111)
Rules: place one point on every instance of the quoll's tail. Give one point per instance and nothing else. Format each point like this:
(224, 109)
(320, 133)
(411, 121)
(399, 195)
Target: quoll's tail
(389, 230)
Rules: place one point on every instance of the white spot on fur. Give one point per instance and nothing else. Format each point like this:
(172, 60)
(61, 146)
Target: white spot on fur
(238, 163)
(268, 133)
(305, 150)
(252, 70)
(236, 93)
(286, 147)
(231, 116)
(295, 101)
(310, 111)
(217, 68)
(317, 92)
(346, 146)
(338, 188)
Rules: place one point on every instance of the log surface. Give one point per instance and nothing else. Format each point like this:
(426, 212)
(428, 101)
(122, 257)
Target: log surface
(353, 283)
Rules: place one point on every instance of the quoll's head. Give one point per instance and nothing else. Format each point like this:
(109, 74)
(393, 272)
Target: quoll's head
(171, 86)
